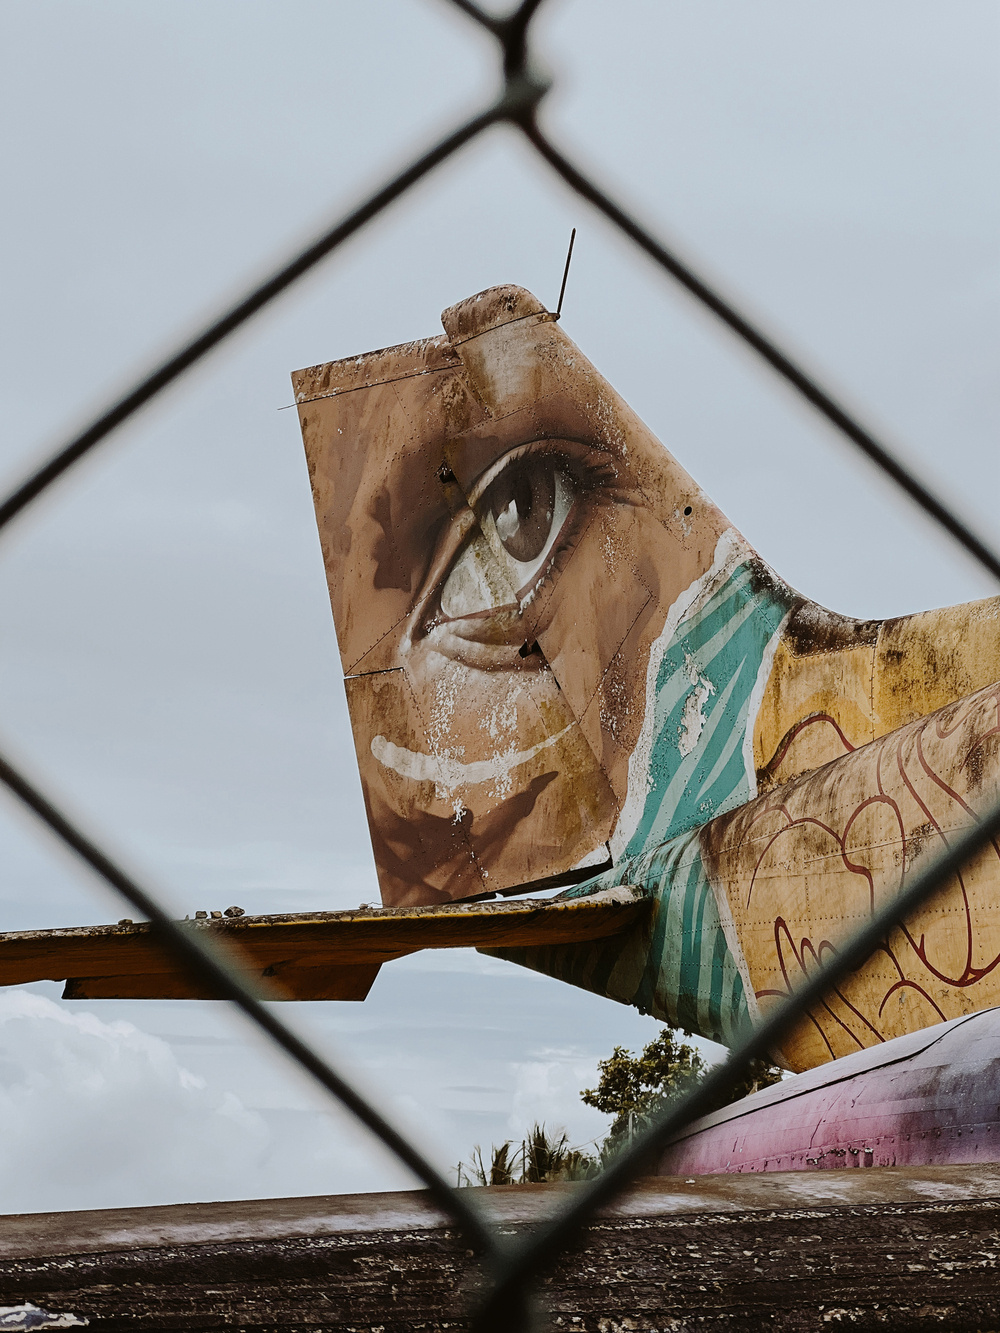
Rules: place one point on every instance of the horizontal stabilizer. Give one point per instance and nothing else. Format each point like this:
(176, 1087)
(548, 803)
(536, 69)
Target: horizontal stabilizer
(316, 956)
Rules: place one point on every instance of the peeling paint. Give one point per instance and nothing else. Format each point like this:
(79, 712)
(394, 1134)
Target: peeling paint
(693, 718)
(32, 1316)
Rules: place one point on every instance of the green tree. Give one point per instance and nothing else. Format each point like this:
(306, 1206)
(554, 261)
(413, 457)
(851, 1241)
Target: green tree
(547, 1157)
(541, 1159)
(632, 1088)
(499, 1172)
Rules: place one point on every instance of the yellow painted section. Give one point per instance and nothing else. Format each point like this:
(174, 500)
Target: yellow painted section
(928, 660)
(821, 702)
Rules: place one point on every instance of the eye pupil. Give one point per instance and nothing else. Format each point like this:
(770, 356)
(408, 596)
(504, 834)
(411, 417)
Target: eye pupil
(522, 502)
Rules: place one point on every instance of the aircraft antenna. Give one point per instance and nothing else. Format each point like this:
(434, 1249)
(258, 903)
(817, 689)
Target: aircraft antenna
(569, 256)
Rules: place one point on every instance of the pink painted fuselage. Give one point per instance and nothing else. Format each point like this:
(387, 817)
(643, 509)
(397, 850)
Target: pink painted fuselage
(927, 1097)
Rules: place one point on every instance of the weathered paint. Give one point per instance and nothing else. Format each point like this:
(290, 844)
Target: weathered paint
(301, 956)
(927, 1097)
(495, 745)
(554, 641)
(705, 673)
(807, 862)
(837, 683)
(676, 965)
(765, 892)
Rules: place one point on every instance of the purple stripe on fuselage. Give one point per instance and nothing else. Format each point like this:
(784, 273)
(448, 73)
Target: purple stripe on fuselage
(927, 1098)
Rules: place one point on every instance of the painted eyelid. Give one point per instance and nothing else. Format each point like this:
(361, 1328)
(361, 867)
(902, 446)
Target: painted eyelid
(578, 456)
(575, 451)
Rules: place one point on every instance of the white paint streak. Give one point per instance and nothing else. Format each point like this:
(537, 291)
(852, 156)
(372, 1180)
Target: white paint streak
(448, 773)
(32, 1316)
(730, 551)
(693, 718)
(757, 698)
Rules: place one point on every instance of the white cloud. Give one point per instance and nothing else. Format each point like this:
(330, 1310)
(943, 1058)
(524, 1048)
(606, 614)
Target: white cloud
(96, 1114)
(547, 1089)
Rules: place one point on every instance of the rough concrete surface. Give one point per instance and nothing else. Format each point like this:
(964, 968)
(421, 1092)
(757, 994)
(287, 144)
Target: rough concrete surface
(869, 1249)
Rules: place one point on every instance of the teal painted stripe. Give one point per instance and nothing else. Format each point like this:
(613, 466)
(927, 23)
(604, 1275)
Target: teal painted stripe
(691, 988)
(680, 966)
(722, 994)
(685, 974)
(685, 786)
(717, 649)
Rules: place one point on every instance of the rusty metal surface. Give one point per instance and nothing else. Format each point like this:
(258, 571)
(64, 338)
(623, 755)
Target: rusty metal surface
(877, 1249)
(319, 955)
(836, 684)
(285, 980)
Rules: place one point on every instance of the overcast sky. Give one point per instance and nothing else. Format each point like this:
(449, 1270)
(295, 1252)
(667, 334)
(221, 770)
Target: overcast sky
(168, 664)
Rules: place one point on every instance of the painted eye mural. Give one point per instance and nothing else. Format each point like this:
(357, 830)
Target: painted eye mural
(522, 512)
(528, 507)
(499, 572)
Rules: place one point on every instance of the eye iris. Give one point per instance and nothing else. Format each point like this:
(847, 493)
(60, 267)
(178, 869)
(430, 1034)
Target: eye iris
(523, 504)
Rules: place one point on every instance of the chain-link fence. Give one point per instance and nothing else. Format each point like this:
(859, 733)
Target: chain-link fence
(510, 1267)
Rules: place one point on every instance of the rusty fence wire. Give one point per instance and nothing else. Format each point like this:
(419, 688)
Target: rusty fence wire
(510, 1266)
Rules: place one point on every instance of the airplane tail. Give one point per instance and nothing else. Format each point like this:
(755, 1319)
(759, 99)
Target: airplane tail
(564, 664)
(554, 644)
